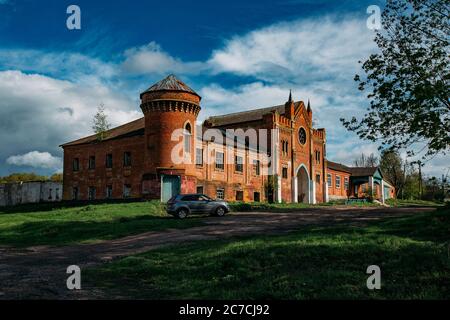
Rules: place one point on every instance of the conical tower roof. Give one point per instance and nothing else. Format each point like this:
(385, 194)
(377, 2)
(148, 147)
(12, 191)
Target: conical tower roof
(170, 83)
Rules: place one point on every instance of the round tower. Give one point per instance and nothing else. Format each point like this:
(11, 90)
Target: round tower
(169, 107)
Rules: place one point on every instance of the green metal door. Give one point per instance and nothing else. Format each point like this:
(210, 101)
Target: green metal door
(170, 187)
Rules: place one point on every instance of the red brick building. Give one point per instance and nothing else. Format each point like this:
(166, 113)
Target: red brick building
(265, 154)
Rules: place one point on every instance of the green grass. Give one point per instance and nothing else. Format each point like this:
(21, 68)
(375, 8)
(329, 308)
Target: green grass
(59, 225)
(288, 207)
(314, 263)
(412, 203)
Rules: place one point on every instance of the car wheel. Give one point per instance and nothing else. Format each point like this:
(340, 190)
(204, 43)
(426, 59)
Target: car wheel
(220, 211)
(182, 213)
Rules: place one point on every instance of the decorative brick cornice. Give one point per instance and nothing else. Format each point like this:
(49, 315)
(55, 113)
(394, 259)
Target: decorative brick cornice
(170, 106)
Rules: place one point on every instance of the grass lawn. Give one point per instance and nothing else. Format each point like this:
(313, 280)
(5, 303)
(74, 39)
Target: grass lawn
(58, 225)
(289, 207)
(412, 203)
(316, 262)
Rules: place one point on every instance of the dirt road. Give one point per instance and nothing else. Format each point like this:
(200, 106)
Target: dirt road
(40, 272)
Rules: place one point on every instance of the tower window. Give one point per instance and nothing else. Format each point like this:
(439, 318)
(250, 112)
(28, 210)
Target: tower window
(187, 137)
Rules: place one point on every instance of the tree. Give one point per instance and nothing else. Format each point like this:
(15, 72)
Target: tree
(408, 80)
(22, 177)
(366, 161)
(391, 166)
(101, 124)
(56, 177)
(411, 189)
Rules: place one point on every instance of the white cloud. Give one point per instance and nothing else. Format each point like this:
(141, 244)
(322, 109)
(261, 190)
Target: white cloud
(36, 159)
(317, 58)
(66, 65)
(151, 58)
(306, 49)
(40, 113)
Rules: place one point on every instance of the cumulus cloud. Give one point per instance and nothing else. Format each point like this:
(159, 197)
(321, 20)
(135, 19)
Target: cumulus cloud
(151, 58)
(49, 98)
(36, 159)
(300, 50)
(40, 113)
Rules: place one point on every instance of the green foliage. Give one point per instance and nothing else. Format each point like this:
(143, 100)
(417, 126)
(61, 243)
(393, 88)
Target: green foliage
(271, 184)
(59, 224)
(313, 263)
(100, 123)
(286, 207)
(391, 166)
(57, 177)
(22, 177)
(408, 80)
(412, 203)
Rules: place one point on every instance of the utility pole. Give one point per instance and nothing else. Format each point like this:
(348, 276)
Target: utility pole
(420, 179)
(404, 176)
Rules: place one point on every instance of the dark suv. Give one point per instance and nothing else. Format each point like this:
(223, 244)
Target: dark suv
(184, 204)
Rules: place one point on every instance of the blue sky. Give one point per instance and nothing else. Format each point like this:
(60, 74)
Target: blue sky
(236, 54)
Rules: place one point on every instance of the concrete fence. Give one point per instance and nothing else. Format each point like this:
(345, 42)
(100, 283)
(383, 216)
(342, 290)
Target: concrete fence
(29, 192)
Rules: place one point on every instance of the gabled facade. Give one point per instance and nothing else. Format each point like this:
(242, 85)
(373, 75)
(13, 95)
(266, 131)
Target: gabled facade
(356, 182)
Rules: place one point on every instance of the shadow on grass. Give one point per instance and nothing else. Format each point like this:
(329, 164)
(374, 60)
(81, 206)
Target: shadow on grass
(51, 206)
(316, 263)
(54, 232)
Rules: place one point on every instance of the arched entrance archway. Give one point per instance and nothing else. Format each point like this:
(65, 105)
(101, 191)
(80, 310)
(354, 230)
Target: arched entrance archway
(303, 188)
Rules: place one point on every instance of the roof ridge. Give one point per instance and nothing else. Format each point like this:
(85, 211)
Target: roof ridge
(251, 110)
(87, 138)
